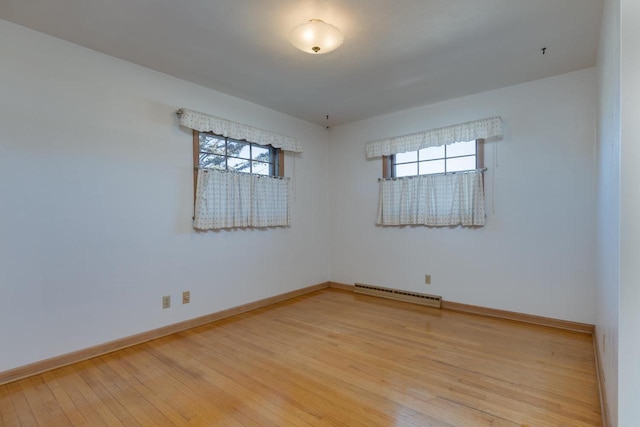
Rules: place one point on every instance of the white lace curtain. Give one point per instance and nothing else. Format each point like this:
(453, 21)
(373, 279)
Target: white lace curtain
(206, 123)
(433, 200)
(233, 200)
(477, 129)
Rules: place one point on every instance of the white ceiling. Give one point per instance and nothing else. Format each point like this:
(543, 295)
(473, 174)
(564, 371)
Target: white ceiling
(396, 55)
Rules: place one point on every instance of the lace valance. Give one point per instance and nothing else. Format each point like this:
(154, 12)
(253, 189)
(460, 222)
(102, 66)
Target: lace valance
(478, 129)
(205, 123)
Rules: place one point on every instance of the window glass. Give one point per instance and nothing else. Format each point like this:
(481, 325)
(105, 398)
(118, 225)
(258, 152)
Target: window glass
(260, 168)
(461, 164)
(238, 165)
(460, 156)
(431, 153)
(260, 153)
(217, 152)
(411, 156)
(212, 161)
(238, 149)
(212, 144)
(432, 166)
(406, 169)
(461, 149)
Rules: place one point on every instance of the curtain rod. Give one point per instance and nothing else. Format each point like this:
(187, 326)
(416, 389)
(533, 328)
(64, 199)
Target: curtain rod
(239, 172)
(443, 173)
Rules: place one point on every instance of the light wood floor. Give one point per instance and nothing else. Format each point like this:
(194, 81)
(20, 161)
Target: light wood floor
(327, 358)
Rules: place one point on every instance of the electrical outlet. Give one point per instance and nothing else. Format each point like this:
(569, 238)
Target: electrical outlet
(427, 279)
(186, 297)
(166, 301)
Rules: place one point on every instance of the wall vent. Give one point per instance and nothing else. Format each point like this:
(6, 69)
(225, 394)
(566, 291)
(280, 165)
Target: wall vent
(414, 297)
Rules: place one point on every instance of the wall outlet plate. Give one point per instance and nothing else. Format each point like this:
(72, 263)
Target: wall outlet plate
(427, 279)
(166, 301)
(186, 297)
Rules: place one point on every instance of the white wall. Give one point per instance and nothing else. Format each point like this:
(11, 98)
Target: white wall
(537, 252)
(629, 315)
(96, 201)
(609, 201)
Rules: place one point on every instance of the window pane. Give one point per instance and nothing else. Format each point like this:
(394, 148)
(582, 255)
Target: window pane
(407, 169)
(238, 165)
(211, 144)
(411, 156)
(432, 166)
(211, 161)
(461, 149)
(238, 149)
(432, 153)
(461, 164)
(261, 168)
(260, 153)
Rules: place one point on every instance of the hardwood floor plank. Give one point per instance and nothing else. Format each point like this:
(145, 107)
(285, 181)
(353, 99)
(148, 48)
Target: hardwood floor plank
(134, 403)
(268, 375)
(44, 405)
(352, 395)
(378, 339)
(8, 414)
(83, 396)
(198, 405)
(363, 373)
(326, 359)
(91, 378)
(19, 400)
(66, 404)
(175, 409)
(278, 407)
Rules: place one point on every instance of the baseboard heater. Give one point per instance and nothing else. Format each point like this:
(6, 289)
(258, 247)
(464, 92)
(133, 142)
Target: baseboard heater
(397, 294)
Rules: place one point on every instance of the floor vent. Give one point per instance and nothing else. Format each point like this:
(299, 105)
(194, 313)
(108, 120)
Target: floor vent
(414, 297)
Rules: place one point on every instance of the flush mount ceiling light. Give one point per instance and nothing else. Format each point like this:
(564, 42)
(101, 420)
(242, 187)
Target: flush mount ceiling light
(316, 37)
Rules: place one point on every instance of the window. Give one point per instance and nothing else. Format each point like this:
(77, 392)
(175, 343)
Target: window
(257, 197)
(433, 194)
(211, 151)
(218, 152)
(460, 156)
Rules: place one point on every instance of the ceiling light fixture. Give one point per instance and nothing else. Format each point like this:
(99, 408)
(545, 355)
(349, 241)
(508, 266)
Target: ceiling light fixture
(316, 37)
